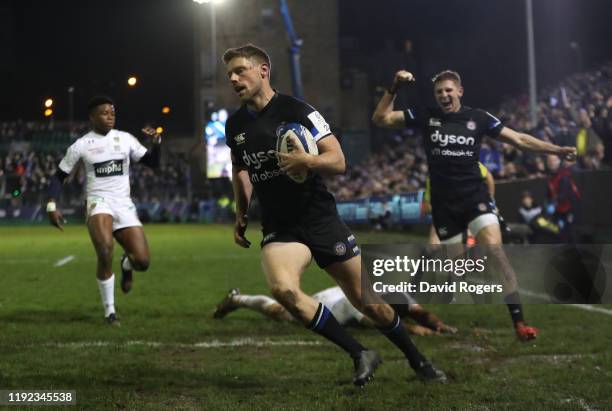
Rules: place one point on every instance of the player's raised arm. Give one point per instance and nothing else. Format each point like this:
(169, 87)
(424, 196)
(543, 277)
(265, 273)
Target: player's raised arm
(151, 157)
(384, 115)
(243, 189)
(526, 142)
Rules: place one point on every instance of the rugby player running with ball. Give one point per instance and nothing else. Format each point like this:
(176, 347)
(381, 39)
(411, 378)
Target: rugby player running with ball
(299, 220)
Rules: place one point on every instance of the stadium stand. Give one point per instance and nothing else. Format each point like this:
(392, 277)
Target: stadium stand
(577, 111)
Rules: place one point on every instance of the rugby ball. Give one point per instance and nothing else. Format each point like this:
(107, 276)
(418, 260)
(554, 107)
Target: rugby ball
(284, 144)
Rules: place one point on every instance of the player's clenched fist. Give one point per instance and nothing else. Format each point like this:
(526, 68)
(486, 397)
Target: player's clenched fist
(403, 76)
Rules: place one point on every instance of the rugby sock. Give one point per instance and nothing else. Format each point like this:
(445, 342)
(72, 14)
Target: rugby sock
(515, 307)
(254, 302)
(107, 292)
(126, 265)
(325, 324)
(399, 336)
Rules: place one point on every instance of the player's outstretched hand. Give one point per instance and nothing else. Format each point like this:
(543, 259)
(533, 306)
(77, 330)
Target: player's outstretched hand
(239, 230)
(418, 329)
(567, 153)
(445, 329)
(56, 218)
(296, 161)
(155, 136)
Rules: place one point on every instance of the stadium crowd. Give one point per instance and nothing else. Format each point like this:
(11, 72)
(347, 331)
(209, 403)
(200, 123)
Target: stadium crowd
(576, 112)
(28, 171)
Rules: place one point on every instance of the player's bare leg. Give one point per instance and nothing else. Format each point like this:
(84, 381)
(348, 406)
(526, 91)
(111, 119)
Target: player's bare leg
(433, 236)
(136, 256)
(263, 304)
(348, 276)
(283, 276)
(100, 227)
(490, 236)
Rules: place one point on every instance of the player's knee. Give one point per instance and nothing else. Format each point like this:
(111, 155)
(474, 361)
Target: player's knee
(141, 263)
(105, 253)
(285, 295)
(370, 310)
(378, 312)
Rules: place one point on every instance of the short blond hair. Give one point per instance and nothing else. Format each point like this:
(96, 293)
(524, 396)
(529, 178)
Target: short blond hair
(248, 51)
(447, 75)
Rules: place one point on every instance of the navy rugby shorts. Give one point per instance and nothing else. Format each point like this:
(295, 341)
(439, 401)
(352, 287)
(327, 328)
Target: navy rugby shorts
(329, 239)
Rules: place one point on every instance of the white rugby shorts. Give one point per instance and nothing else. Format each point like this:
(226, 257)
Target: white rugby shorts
(122, 210)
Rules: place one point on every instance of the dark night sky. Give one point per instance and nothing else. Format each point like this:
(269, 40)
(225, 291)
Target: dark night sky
(96, 45)
(485, 40)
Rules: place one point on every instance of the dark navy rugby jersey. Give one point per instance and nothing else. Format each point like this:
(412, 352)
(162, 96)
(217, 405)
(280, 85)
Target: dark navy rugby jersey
(252, 138)
(452, 143)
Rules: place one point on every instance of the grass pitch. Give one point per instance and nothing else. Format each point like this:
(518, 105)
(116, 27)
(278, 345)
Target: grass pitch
(170, 354)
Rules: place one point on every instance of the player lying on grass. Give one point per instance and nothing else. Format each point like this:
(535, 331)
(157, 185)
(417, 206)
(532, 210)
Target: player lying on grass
(341, 308)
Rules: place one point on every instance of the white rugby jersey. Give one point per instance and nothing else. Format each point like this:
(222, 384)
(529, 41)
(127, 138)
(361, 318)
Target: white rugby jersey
(107, 161)
(334, 299)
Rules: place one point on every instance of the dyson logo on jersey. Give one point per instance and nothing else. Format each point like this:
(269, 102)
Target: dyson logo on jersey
(109, 168)
(257, 159)
(446, 139)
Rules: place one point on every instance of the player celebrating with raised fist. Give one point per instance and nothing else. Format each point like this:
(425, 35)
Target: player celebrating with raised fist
(299, 220)
(452, 136)
(106, 154)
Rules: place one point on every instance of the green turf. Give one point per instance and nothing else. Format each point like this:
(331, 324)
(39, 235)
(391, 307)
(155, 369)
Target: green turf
(46, 311)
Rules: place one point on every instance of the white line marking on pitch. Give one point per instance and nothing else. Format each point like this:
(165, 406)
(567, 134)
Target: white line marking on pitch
(586, 307)
(64, 261)
(592, 308)
(242, 342)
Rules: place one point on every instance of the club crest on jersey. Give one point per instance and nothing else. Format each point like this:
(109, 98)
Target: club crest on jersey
(435, 122)
(471, 125)
(240, 138)
(116, 139)
(109, 168)
(339, 248)
(482, 207)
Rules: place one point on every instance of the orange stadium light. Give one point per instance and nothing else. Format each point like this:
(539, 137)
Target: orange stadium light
(165, 109)
(159, 130)
(48, 102)
(48, 112)
(132, 81)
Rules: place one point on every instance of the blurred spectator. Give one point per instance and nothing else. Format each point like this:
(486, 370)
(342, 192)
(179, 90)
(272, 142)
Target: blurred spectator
(528, 209)
(563, 196)
(543, 229)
